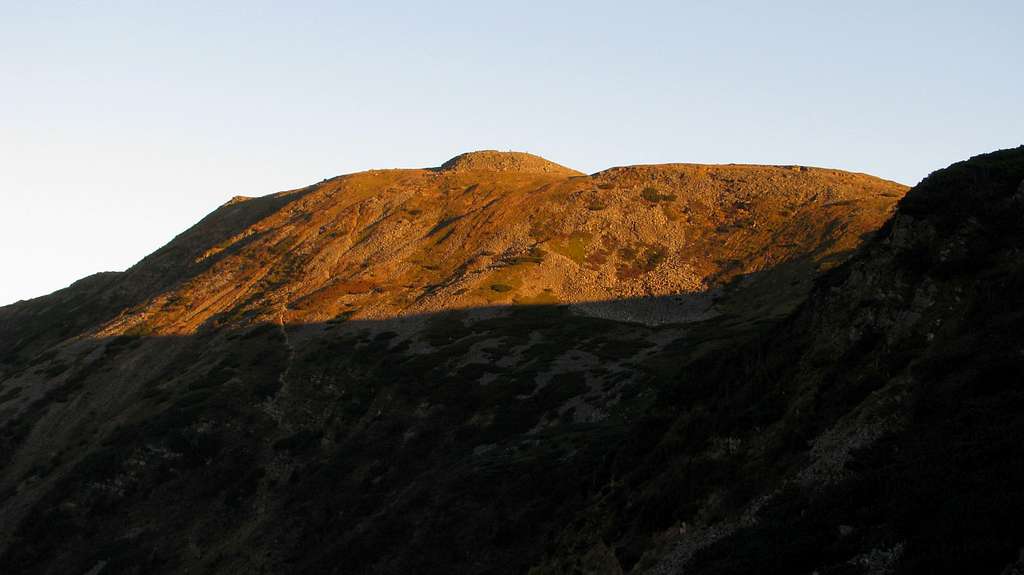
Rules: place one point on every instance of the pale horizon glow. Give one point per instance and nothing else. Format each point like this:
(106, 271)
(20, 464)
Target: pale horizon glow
(124, 123)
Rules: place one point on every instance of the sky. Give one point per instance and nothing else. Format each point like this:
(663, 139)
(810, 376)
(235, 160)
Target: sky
(124, 123)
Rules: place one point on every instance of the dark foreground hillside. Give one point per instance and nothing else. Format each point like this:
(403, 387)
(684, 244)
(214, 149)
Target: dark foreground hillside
(877, 429)
(873, 429)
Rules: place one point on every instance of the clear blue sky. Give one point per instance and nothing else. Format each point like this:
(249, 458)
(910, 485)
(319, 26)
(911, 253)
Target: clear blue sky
(122, 123)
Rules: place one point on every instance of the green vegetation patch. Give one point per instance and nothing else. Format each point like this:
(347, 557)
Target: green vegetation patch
(636, 261)
(573, 246)
(654, 196)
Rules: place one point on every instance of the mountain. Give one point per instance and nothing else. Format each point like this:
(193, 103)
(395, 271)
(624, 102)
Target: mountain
(487, 228)
(502, 365)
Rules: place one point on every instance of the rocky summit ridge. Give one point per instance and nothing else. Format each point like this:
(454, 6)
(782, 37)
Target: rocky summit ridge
(385, 244)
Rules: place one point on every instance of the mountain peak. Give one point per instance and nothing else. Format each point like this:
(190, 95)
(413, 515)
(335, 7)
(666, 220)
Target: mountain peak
(495, 161)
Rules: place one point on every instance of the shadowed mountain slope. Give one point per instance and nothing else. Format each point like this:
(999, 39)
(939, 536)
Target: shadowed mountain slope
(644, 370)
